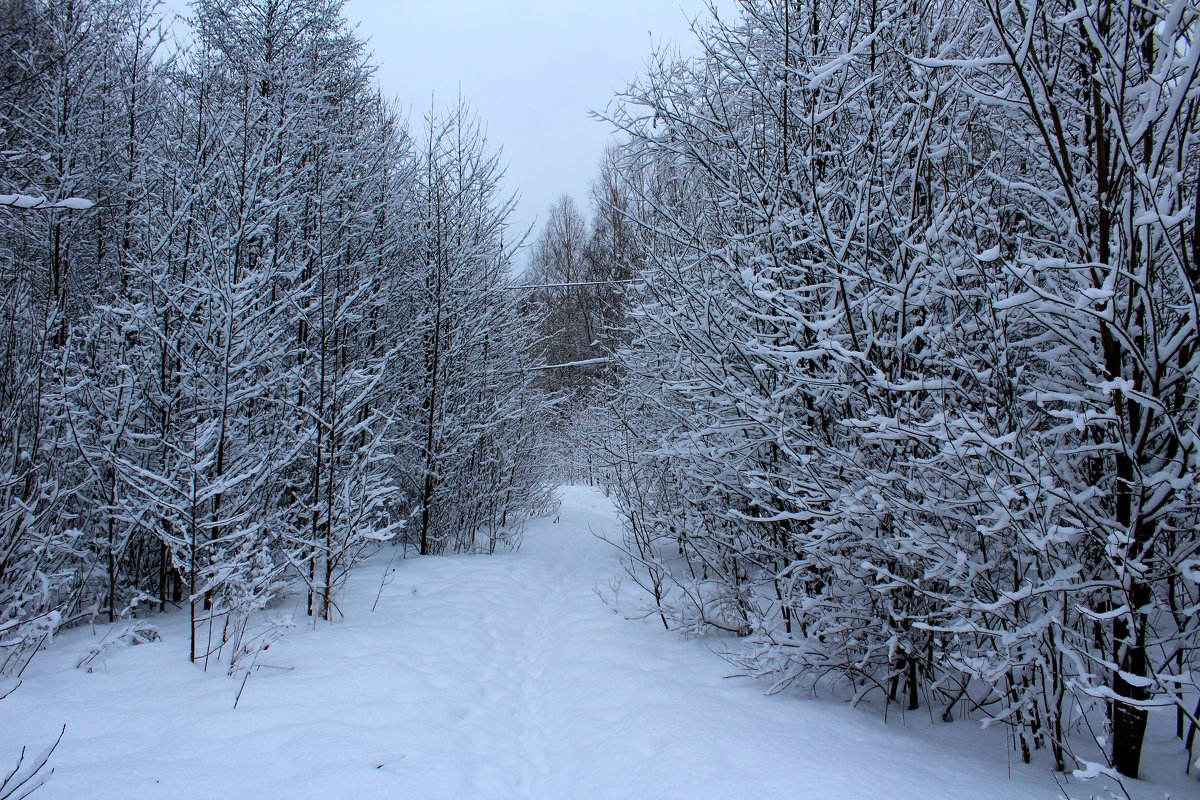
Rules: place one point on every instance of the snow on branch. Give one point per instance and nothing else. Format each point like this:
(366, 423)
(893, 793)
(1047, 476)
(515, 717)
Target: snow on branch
(587, 362)
(569, 285)
(27, 202)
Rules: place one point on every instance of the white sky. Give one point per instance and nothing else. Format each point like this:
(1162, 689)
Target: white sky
(531, 68)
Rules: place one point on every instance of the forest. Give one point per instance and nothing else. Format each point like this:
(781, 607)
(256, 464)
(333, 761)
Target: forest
(880, 329)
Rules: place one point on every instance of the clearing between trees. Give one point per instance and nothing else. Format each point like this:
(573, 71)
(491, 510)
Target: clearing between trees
(508, 676)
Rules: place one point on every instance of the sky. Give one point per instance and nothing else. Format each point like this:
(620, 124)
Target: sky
(532, 69)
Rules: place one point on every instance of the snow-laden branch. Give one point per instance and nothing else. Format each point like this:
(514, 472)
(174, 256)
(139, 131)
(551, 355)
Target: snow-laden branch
(587, 362)
(573, 284)
(28, 202)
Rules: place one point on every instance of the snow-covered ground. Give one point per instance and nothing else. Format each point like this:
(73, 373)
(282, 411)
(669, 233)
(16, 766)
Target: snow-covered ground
(486, 677)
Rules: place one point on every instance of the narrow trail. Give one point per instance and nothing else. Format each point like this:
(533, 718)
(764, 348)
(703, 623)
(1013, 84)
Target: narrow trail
(484, 677)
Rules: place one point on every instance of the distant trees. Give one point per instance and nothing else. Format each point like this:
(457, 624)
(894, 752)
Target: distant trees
(575, 294)
(568, 310)
(577, 278)
(279, 336)
(612, 256)
(911, 393)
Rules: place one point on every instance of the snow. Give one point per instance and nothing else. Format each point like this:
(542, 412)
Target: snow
(28, 202)
(502, 676)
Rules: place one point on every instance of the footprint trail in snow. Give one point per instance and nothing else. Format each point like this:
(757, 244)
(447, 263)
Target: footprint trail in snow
(500, 676)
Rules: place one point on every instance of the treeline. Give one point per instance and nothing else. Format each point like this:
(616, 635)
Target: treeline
(911, 396)
(574, 291)
(252, 325)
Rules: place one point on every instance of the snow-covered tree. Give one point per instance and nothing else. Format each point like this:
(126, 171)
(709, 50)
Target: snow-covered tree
(223, 271)
(908, 399)
(477, 451)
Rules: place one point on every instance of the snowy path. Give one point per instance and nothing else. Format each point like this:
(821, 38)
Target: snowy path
(481, 677)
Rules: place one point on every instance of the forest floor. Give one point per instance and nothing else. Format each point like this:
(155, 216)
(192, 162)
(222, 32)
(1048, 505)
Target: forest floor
(506, 676)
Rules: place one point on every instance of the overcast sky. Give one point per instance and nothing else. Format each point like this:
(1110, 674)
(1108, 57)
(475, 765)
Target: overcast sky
(531, 68)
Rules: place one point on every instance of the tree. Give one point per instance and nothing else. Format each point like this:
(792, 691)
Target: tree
(894, 409)
(477, 463)
(566, 306)
(1105, 252)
